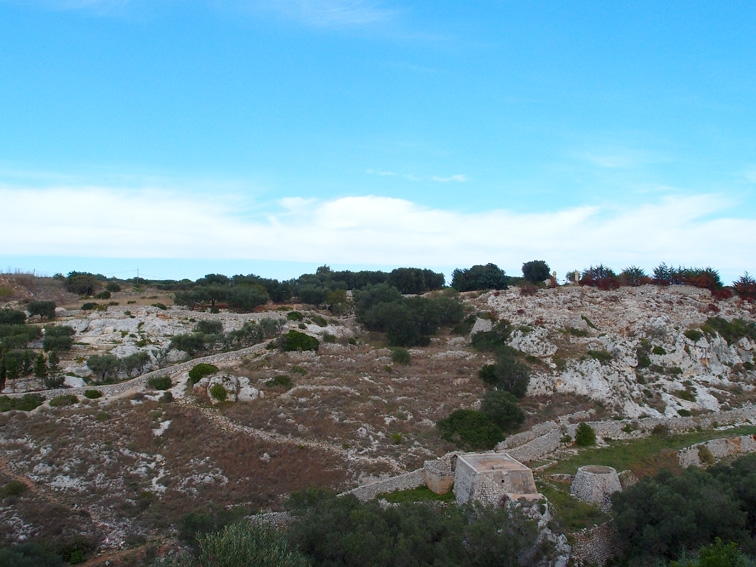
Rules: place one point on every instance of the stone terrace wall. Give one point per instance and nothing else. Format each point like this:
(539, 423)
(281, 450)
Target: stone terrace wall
(405, 481)
(545, 438)
(717, 448)
(594, 546)
(141, 381)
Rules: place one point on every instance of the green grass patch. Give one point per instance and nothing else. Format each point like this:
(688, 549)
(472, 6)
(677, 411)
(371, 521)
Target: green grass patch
(419, 494)
(574, 514)
(637, 455)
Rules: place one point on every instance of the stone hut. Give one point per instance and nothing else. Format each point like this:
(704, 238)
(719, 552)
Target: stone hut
(596, 484)
(489, 477)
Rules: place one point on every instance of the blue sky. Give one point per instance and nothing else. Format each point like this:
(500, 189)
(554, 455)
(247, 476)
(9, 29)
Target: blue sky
(184, 137)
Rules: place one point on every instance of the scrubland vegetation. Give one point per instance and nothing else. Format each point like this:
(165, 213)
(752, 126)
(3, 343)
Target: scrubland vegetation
(337, 408)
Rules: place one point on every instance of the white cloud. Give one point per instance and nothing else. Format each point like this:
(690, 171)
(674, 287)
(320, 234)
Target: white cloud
(458, 178)
(100, 222)
(318, 13)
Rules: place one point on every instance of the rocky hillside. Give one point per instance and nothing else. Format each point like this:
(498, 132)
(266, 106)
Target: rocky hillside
(134, 461)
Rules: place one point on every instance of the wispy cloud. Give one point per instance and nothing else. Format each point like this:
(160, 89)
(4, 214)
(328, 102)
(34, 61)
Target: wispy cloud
(318, 13)
(371, 230)
(458, 178)
(100, 7)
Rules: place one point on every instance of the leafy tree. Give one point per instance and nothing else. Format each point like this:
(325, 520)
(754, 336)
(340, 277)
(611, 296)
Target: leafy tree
(601, 277)
(536, 271)
(209, 327)
(58, 338)
(190, 344)
(509, 374)
(54, 378)
(82, 283)
(470, 429)
(40, 366)
(135, 362)
(29, 555)
(213, 279)
(103, 366)
(12, 317)
(502, 408)
(585, 436)
(343, 532)
(745, 287)
(718, 554)
(633, 276)
(415, 280)
(479, 277)
(663, 515)
(113, 287)
(42, 309)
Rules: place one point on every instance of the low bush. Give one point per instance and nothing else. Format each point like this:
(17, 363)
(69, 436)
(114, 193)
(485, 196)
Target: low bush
(319, 321)
(199, 371)
(92, 394)
(103, 295)
(329, 338)
(161, 306)
(400, 355)
(280, 381)
(218, 392)
(694, 335)
(65, 400)
(601, 355)
(13, 488)
(160, 382)
(296, 341)
(294, 316)
(585, 436)
(502, 408)
(27, 402)
(89, 306)
(470, 429)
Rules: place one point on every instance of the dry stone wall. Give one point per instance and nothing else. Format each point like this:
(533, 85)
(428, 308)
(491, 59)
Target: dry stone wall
(406, 481)
(702, 454)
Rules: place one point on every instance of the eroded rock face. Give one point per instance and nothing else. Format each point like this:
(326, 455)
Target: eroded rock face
(627, 348)
(237, 388)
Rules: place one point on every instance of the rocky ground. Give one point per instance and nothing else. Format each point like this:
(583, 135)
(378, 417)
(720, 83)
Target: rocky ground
(130, 464)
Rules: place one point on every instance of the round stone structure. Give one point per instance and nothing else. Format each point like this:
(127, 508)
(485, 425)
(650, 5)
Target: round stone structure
(595, 484)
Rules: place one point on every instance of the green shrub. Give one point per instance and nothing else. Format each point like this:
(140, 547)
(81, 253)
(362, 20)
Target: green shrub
(686, 395)
(12, 317)
(43, 309)
(159, 305)
(199, 371)
(536, 271)
(160, 382)
(296, 341)
(601, 355)
(576, 332)
(89, 306)
(65, 400)
(319, 321)
(27, 402)
(209, 327)
(585, 436)
(294, 316)
(479, 277)
(400, 355)
(502, 408)
(694, 334)
(103, 295)
(470, 430)
(113, 287)
(13, 488)
(218, 392)
(298, 370)
(280, 381)
(659, 350)
(166, 398)
(684, 413)
(92, 394)
(329, 338)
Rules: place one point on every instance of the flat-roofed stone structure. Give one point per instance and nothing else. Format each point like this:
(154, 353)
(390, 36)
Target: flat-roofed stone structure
(490, 477)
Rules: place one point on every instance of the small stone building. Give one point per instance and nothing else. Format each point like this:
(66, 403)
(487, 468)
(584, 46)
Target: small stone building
(596, 484)
(490, 477)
